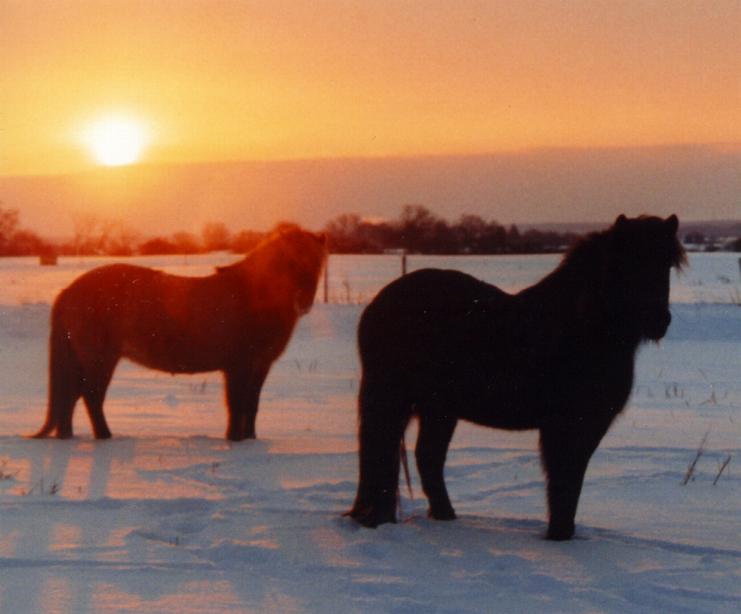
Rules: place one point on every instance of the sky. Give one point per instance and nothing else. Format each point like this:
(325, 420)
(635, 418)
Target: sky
(212, 81)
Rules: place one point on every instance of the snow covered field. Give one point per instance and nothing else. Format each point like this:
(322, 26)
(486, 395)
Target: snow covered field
(168, 516)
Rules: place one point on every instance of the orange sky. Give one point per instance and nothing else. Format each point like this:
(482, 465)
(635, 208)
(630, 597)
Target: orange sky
(278, 79)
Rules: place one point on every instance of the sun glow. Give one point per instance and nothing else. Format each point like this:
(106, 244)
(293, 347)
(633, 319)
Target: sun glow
(116, 140)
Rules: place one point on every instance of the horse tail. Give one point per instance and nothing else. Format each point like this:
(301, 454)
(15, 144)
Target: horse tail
(407, 478)
(64, 382)
(49, 425)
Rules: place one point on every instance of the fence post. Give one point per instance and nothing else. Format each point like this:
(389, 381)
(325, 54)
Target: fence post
(326, 280)
(404, 262)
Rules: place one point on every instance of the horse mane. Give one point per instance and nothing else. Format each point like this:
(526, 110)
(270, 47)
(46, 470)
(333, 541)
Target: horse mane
(286, 243)
(587, 254)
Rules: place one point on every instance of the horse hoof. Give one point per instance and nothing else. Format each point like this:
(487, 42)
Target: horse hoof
(560, 534)
(370, 517)
(232, 437)
(442, 514)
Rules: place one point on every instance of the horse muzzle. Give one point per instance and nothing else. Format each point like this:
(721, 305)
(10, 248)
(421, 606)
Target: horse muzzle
(655, 328)
(302, 303)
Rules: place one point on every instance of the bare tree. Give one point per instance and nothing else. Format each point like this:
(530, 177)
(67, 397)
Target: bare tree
(8, 228)
(215, 236)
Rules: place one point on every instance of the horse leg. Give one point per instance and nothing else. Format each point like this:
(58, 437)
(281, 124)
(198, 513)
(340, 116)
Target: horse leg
(243, 387)
(565, 455)
(64, 391)
(95, 384)
(435, 433)
(249, 416)
(384, 415)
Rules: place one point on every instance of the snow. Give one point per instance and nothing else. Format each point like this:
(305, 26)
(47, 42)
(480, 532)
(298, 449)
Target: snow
(168, 516)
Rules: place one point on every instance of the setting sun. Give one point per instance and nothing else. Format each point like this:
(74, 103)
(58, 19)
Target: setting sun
(116, 141)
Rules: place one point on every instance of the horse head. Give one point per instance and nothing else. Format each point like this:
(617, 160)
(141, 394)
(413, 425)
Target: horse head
(283, 270)
(303, 261)
(639, 256)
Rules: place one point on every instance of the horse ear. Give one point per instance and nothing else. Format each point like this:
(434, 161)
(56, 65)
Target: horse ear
(620, 221)
(672, 224)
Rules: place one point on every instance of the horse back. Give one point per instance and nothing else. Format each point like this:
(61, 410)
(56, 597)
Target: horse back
(167, 322)
(429, 314)
(456, 344)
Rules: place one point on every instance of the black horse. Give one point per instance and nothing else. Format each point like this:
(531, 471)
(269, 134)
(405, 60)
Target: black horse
(557, 356)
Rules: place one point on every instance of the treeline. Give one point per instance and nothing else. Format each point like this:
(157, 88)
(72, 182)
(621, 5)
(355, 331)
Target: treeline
(17, 241)
(93, 236)
(416, 230)
(116, 239)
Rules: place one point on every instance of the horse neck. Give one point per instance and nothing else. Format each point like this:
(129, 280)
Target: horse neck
(265, 286)
(557, 292)
(568, 298)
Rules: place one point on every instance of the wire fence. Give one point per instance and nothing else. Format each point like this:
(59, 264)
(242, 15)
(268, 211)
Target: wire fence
(356, 279)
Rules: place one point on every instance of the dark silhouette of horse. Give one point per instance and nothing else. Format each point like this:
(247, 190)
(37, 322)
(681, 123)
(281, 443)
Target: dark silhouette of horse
(557, 356)
(237, 320)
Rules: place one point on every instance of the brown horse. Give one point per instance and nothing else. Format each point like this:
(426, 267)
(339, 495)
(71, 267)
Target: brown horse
(557, 357)
(237, 320)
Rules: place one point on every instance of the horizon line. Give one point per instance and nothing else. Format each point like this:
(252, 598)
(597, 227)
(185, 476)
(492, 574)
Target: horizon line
(732, 145)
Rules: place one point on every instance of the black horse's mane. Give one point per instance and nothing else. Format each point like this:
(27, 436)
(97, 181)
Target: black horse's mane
(587, 254)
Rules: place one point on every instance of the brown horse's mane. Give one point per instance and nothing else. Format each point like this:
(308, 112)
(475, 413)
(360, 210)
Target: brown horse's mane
(274, 245)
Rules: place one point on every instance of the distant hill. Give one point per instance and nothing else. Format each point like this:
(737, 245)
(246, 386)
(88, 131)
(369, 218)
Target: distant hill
(537, 188)
(715, 229)
(712, 229)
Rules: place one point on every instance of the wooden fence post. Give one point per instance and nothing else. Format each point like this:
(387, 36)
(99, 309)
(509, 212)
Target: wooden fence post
(326, 281)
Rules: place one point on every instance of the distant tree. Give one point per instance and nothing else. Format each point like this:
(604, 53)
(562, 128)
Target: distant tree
(8, 228)
(379, 235)
(157, 246)
(470, 231)
(121, 240)
(95, 235)
(494, 240)
(417, 228)
(513, 239)
(185, 243)
(695, 237)
(215, 236)
(17, 241)
(442, 239)
(476, 236)
(532, 241)
(27, 243)
(90, 234)
(345, 234)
